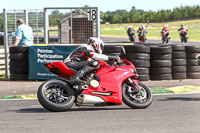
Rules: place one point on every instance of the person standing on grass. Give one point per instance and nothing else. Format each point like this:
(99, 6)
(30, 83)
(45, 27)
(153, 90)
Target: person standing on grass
(24, 34)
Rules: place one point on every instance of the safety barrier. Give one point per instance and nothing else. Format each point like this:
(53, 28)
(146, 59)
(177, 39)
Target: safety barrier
(139, 55)
(19, 65)
(161, 63)
(170, 62)
(152, 62)
(179, 63)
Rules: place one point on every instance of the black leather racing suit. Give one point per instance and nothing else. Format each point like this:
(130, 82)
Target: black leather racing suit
(130, 31)
(86, 59)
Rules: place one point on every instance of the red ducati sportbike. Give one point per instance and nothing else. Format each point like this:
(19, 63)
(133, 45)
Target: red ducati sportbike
(109, 85)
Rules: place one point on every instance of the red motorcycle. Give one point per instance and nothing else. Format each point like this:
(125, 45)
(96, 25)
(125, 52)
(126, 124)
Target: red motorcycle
(110, 85)
(165, 36)
(142, 35)
(183, 35)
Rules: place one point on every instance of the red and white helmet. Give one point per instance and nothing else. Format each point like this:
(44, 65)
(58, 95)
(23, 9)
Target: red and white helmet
(97, 44)
(130, 27)
(166, 25)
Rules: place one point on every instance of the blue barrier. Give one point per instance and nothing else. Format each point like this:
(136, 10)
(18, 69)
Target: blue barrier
(38, 55)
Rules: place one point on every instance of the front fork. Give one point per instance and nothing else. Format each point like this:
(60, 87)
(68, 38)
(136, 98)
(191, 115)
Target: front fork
(135, 84)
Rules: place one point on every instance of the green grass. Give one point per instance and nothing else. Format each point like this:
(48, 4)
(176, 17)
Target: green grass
(119, 30)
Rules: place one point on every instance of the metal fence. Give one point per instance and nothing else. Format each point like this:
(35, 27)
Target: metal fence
(73, 25)
(32, 17)
(51, 25)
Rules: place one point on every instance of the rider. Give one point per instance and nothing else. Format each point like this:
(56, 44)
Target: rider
(85, 59)
(130, 29)
(183, 28)
(140, 29)
(165, 29)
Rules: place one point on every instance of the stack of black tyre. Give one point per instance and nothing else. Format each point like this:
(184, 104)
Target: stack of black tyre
(139, 55)
(112, 50)
(193, 70)
(161, 63)
(178, 62)
(19, 64)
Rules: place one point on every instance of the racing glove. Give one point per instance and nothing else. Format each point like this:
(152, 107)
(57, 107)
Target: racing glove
(113, 58)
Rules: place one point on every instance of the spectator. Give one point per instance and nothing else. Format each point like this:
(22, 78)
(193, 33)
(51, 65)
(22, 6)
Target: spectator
(24, 34)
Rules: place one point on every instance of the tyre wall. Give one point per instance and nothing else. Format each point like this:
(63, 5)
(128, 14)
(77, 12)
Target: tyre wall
(139, 55)
(193, 70)
(152, 62)
(161, 63)
(179, 62)
(19, 63)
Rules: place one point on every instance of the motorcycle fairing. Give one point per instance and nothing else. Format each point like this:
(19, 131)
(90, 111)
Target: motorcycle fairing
(111, 82)
(60, 69)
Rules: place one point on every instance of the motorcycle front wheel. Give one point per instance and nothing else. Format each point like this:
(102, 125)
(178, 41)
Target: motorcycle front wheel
(136, 100)
(185, 39)
(132, 38)
(56, 95)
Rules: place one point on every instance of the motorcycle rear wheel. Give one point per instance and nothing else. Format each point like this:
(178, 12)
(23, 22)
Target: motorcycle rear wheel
(135, 100)
(56, 95)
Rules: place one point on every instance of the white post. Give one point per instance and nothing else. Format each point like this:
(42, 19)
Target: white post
(46, 26)
(98, 23)
(5, 26)
(71, 25)
(26, 16)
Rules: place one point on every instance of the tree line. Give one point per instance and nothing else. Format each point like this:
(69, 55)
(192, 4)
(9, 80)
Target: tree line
(133, 16)
(141, 16)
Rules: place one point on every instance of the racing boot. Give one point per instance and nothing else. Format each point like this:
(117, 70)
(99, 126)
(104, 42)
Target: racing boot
(76, 79)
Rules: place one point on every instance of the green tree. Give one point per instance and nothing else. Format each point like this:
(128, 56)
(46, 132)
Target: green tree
(1, 22)
(54, 17)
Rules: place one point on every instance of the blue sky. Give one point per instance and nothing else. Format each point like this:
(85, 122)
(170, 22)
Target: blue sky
(104, 5)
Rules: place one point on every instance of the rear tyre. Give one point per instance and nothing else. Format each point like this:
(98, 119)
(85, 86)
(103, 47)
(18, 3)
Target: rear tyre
(56, 95)
(136, 100)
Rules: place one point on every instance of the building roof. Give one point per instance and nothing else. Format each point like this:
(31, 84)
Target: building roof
(75, 14)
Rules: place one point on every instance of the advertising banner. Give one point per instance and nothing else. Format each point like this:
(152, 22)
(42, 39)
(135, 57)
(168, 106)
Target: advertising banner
(38, 55)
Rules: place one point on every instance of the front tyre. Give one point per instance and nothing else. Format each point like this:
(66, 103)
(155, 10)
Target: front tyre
(167, 40)
(185, 38)
(56, 95)
(136, 100)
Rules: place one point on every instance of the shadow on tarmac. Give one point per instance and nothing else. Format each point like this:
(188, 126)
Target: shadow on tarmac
(43, 110)
(181, 99)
